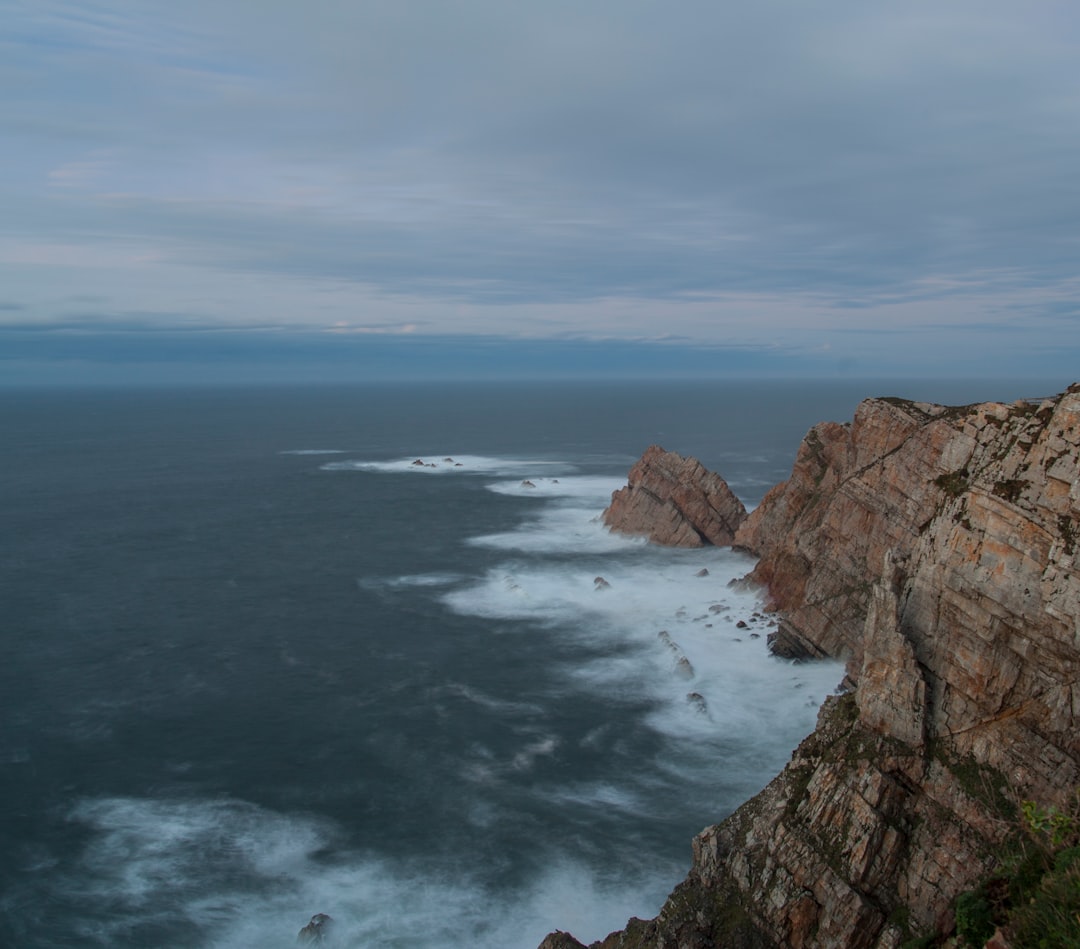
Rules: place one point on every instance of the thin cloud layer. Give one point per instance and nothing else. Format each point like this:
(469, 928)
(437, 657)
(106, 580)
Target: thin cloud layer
(741, 175)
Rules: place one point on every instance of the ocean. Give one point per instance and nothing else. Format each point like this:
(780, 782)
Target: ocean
(258, 664)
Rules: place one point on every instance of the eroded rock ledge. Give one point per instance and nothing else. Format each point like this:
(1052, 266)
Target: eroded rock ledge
(676, 502)
(937, 550)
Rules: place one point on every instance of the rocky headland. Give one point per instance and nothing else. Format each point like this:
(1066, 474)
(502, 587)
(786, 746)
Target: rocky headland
(936, 550)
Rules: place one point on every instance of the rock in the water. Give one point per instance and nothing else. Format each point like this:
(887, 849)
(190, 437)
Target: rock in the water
(675, 501)
(703, 572)
(601, 584)
(527, 484)
(315, 931)
(697, 701)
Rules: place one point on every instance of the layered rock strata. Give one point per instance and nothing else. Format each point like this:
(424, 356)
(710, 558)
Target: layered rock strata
(937, 549)
(675, 501)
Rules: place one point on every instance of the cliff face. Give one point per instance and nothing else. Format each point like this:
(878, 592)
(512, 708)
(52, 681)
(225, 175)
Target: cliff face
(939, 550)
(978, 512)
(675, 501)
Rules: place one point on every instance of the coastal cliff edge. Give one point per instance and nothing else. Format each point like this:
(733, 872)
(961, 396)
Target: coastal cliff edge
(937, 550)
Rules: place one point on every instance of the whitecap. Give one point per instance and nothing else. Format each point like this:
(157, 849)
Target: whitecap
(669, 636)
(409, 580)
(650, 588)
(476, 697)
(452, 464)
(541, 748)
(596, 488)
(606, 796)
(561, 529)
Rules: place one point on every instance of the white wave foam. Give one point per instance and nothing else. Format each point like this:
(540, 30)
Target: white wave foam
(477, 697)
(454, 464)
(666, 633)
(656, 587)
(561, 529)
(414, 580)
(606, 796)
(245, 876)
(595, 488)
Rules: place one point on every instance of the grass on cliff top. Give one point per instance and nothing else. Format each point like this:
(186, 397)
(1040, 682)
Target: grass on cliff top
(1035, 899)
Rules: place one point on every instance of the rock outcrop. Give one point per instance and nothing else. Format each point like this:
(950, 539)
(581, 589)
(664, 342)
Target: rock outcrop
(316, 930)
(938, 549)
(676, 502)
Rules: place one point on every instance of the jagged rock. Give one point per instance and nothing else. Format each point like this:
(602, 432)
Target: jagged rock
(703, 572)
(697, 702)
(892, 699)
(600, 583)
(937, 549)
(527, 484)
(316, 930)
(675, 501)
(560, 940)
(684, 667)
(419, 462)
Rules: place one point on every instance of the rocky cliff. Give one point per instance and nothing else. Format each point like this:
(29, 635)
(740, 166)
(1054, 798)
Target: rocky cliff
(937, 550)
(675, 501)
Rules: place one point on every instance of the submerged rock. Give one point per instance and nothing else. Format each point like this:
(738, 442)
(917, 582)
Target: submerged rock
(316, 930)
(697, 702)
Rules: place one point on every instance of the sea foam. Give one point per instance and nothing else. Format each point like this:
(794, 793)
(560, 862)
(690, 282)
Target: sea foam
(234, 875)
(451, 464)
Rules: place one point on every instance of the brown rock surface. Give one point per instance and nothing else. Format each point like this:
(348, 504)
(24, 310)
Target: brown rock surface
(936, 548)
(675, 501)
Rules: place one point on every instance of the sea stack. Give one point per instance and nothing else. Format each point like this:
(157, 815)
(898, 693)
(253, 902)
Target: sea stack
(675, 501)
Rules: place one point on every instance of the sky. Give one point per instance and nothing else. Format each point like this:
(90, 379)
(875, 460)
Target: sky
(355, 189)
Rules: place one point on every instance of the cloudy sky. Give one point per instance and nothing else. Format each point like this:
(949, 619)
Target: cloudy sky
(340, 188)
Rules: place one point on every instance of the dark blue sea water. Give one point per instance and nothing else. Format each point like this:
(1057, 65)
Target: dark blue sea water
(257, 665)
